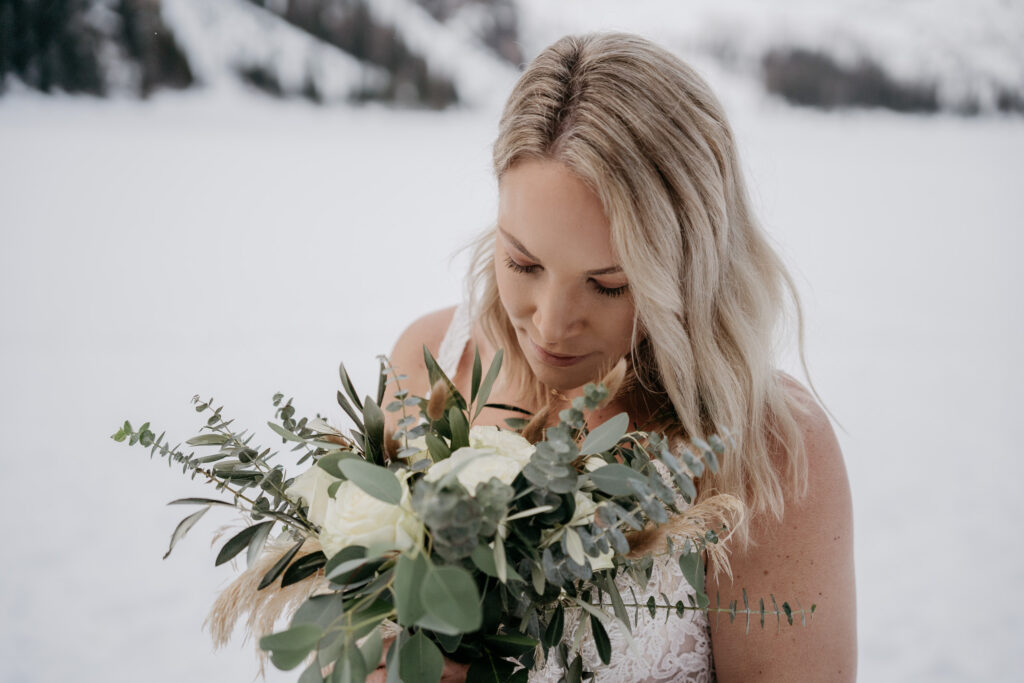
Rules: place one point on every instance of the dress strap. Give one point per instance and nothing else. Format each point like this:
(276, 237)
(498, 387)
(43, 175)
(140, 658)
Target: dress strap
(455, 339)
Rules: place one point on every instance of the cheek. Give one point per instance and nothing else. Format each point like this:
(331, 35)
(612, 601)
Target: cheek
(619, 329)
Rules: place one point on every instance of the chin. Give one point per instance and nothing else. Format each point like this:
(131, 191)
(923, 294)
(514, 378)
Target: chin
(563, 380)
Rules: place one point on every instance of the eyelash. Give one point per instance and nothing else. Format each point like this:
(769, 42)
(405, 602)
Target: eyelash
(611, 292)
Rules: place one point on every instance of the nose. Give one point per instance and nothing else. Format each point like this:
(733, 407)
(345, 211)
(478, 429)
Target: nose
(557, 316)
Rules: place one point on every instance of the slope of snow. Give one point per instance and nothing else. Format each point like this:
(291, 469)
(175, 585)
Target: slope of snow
(480, 77)
(223, 37)
(970, 52)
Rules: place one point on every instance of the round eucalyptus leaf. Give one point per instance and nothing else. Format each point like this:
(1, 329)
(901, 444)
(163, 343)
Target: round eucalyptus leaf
(420, 661)
(377, 481)
(449, 595)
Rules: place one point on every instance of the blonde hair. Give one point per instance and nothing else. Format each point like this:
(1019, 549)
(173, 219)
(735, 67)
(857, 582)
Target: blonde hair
(647, 135)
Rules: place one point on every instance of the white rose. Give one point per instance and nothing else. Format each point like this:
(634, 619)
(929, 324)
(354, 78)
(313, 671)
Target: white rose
(354, 517)
(475, 466)
(585, 509)
(310, 489)
(584, 514)
(506, 443)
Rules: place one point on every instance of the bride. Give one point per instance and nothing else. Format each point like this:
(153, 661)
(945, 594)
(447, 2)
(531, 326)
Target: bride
(625, 238)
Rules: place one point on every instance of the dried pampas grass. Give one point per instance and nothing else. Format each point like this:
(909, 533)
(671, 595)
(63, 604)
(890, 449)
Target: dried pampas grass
(262, 608)
(711, 513)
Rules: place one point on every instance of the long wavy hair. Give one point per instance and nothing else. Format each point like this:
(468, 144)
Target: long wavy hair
(646, 134)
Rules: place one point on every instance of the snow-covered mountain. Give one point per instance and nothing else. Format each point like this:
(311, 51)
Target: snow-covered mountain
(435, 55)
(906, 55)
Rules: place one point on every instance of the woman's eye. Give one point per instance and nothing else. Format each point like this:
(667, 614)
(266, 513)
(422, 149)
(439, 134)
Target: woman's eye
(610, 291)
(519, 267)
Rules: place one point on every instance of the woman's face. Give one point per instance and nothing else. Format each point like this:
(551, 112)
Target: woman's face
(557, 276)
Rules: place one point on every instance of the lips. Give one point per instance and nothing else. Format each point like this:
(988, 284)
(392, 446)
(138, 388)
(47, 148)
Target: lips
(555, 359)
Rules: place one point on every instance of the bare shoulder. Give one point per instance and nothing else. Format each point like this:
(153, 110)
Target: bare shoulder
(805, 558)
(826, 469)
(407, 356)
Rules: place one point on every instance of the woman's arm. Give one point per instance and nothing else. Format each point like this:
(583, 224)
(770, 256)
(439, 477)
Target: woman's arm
(807, 556)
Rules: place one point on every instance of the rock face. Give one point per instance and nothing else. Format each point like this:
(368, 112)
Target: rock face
(104, 47)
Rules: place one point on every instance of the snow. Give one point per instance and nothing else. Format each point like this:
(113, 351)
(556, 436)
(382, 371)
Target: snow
(227, 245)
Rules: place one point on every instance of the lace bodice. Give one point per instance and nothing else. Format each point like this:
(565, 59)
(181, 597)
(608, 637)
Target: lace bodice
(677, 649)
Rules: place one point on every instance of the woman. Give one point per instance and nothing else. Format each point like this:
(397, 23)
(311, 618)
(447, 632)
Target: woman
(625, 239)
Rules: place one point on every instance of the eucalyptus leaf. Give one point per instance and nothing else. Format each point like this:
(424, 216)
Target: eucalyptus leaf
(373, 421)
(289, 648)
(618, 606)
(328, 462)
(284, 433)
(488, 382)
(256, 545)
(449, 594)
(605, 435)
(574, 546)
(692, 566)
(483, 558)
(307, 565)
(349, 667)
(183, 528)
(302, 636)
(373, 649)
(409, 573)
(574, 674)
(346, 383)
(421, 660)
(352, 414)
(377, 481)
(474, 386)
(553, 632)
(279, 566)
(601, 640)
(382, 383)
(459, 427)
(392, 662)
(208, 440)
(350, 552)
(201, 501)
(240, 541)
(311, 674)
(437, 448)
(613, 479)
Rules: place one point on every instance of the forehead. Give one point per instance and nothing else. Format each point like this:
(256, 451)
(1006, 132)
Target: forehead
(545, 206)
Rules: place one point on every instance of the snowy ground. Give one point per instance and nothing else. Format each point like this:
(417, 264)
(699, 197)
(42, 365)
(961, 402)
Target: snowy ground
(236, 247)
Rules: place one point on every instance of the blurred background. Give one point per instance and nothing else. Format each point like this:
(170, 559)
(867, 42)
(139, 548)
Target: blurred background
(228, 197)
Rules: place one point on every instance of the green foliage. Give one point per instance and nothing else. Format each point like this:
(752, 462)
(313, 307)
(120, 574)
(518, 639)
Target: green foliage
(421, 661)
(183, 528)
(497, 569)
(451, 600)
(288, 648)
(377, 481)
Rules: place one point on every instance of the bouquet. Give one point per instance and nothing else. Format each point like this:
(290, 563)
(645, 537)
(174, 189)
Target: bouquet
(444, 538)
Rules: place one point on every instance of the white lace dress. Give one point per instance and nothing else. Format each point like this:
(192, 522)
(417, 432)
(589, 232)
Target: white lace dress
(676, 649)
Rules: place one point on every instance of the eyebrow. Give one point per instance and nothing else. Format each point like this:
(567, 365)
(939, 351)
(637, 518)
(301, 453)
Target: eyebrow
(610, 270)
